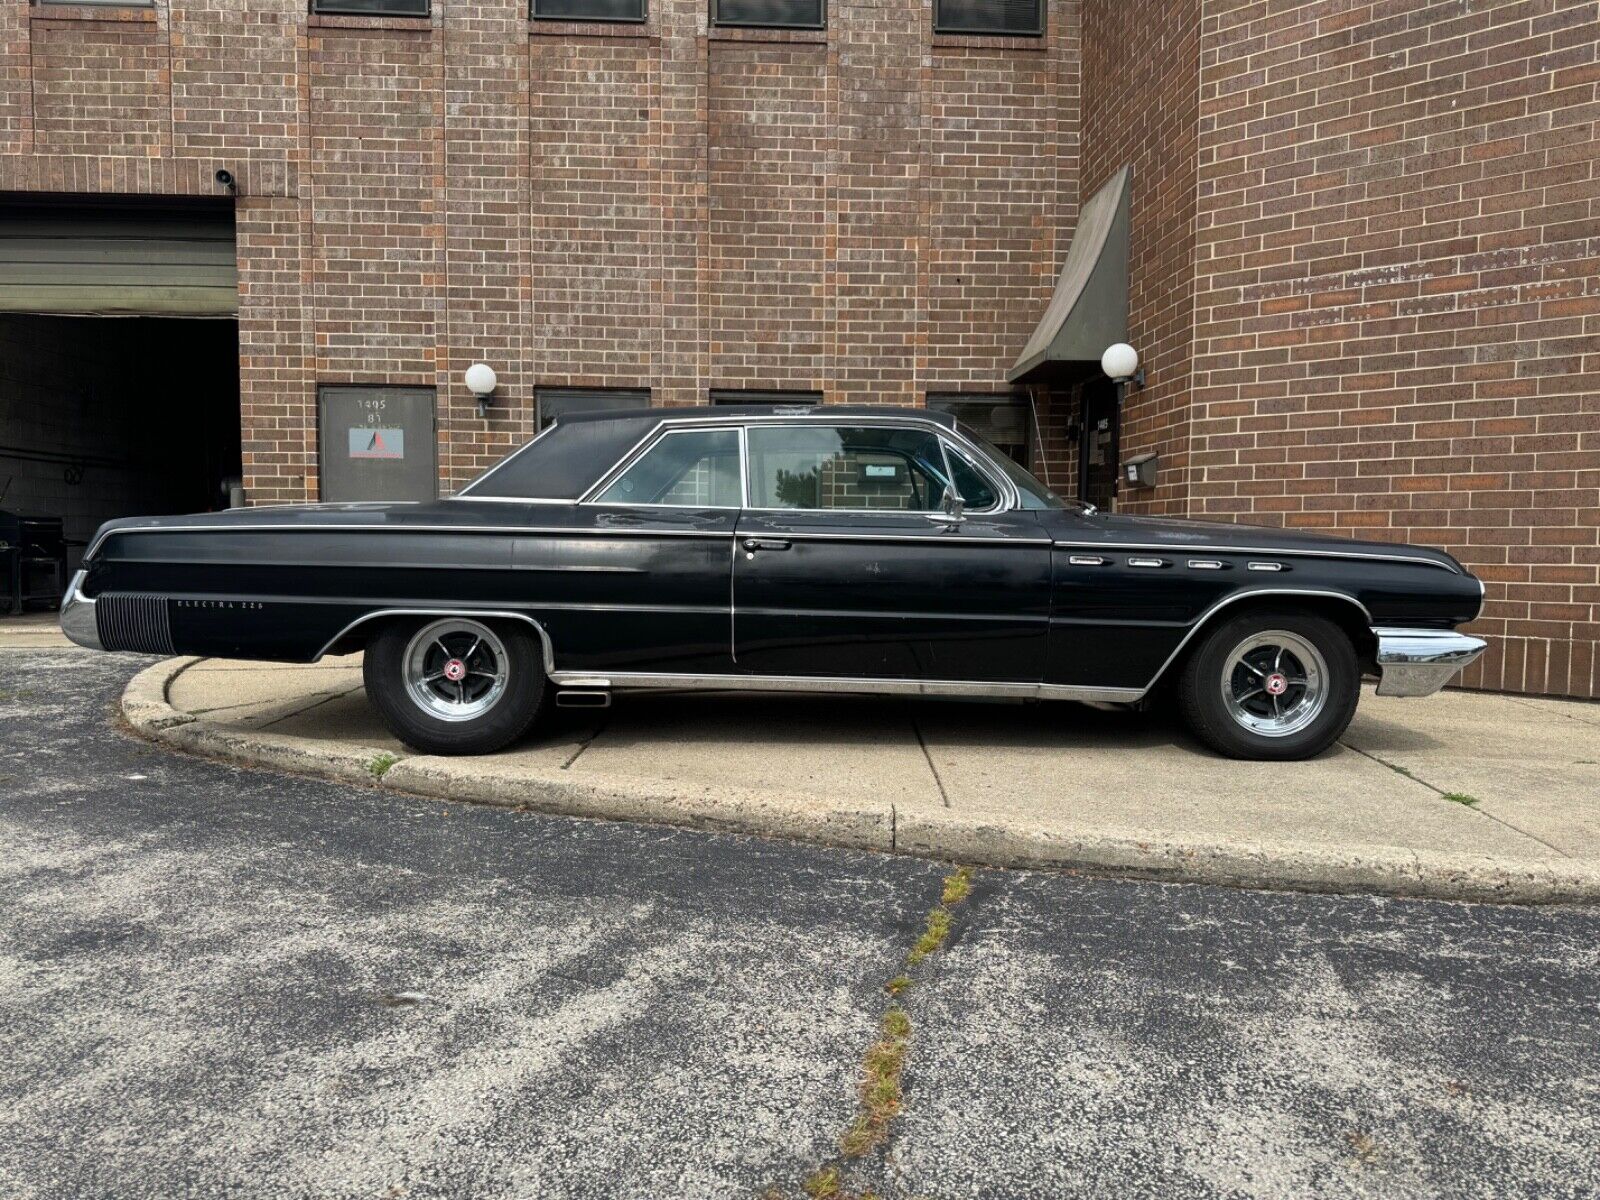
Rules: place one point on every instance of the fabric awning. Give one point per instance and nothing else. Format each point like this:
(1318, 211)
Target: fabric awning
(1089, 310)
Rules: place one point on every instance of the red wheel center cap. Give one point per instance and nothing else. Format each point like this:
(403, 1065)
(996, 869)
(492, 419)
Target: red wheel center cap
(1276, 684)
(455, 670)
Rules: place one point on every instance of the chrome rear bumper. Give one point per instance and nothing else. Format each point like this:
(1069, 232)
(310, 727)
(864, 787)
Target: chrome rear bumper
(1418, 662)
(77, 616)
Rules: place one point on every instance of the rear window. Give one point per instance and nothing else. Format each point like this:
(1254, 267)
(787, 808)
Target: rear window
(563, 462)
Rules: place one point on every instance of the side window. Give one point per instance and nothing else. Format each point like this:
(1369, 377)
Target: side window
(771, 14)
(587, 10)
(845, 467)
(976, 492)
(692, 468)
(372, 8)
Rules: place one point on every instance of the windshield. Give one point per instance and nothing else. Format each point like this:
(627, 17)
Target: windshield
(1034, 494)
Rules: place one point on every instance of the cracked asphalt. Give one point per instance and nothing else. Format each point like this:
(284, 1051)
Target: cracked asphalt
(218, 982)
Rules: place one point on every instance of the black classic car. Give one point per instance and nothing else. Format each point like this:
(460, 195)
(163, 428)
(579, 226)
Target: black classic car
(827, 549)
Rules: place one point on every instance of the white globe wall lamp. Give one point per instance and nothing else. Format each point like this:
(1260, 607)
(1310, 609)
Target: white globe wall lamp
(481, 382)
(1121, 362)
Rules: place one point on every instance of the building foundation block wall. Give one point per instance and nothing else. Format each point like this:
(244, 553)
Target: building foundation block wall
(1398, 297)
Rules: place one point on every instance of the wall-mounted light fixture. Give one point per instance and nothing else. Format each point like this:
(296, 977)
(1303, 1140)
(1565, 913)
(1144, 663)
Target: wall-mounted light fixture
(1121, 362)
(481, 382)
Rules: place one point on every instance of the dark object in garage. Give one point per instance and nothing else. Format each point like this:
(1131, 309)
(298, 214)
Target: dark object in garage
(33, 560)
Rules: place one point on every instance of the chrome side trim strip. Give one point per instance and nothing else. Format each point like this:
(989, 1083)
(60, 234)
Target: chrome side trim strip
(544, 638)
(933, 537)
(1249, 594)
(623, 681)
(1418, 662)
(501, 530)
(502, 500)
(78, 619)
(1185, 548)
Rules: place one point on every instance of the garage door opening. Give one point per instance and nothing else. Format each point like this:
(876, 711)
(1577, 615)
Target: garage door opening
(119, 364)
(104, 417)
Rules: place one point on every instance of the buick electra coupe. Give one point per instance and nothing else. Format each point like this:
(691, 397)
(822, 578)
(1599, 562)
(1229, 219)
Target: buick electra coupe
(823, 549)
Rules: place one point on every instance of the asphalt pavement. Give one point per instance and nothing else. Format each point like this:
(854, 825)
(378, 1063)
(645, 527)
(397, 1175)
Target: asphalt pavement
(217, 981)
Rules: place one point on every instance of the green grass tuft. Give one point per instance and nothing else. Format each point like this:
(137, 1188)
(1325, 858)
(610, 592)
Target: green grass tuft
(380, 764)
(1461, 798)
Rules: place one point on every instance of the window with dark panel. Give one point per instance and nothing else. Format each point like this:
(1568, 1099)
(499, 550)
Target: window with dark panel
(587, 10)
(550, 404)
(771, 14)
(1014, 18)
(371, 8)
(1004, 420)
(762, 397)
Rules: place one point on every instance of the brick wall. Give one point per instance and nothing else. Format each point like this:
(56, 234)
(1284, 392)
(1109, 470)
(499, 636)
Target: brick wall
(1144, 113)
(868, 211)
(1397, 331)
(1382, 322)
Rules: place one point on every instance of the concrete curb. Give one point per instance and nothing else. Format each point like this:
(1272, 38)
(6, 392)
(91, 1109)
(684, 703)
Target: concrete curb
(989, 839)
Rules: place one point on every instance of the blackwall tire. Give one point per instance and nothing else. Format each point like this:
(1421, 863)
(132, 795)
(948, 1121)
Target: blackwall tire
(456, 685)
(1271, 685)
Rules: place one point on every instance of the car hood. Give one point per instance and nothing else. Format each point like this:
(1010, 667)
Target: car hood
(1117, 530)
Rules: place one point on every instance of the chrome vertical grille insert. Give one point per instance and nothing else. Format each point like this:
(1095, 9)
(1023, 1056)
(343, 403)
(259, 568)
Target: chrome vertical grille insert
(134, 621)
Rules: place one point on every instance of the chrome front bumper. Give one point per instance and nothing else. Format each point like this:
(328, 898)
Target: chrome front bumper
(77, 615)
(1418, 662)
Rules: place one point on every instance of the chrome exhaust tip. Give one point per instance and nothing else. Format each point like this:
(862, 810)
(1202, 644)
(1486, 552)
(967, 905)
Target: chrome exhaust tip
(583, 698)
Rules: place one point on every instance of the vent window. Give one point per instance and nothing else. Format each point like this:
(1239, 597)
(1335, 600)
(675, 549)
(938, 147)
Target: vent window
(587, 10)
(771, 14)
(1014, 18)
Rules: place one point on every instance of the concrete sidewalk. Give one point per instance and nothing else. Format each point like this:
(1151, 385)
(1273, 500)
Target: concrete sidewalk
(1462, 795)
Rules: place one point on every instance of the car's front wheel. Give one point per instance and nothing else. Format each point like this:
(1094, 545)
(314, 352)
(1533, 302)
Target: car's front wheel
(455, 685)
(1271, 685)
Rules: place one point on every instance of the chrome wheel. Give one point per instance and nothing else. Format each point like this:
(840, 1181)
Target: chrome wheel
(1274, 683)
(455, 669)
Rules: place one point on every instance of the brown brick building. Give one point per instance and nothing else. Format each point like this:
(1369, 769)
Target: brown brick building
(1363, 266)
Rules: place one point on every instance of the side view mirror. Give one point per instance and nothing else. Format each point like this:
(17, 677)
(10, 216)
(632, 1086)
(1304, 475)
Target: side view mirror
(952, 505)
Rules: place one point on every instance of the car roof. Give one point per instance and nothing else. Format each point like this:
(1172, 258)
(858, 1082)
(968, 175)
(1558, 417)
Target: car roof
(573, 453)
(723, 412)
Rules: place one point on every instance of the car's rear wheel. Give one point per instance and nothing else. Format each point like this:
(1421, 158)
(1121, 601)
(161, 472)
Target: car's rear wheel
(457, 684)
(1271, 685)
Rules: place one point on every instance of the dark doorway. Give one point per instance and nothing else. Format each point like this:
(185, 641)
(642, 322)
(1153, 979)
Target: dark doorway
(104, 417)
(1097, 443)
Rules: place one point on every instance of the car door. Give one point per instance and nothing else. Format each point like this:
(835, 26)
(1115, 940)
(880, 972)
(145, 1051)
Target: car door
(844, 564)
(636, 577)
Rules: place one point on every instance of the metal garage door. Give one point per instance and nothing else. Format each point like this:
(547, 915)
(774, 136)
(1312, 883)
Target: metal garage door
(72, 257)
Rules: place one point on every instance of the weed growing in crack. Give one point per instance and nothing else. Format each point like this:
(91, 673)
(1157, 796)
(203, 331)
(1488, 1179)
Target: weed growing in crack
(881, 1095)
(1461, 798)
(1363, 1147)
(957, 887)
(932, 937)
(379, 764)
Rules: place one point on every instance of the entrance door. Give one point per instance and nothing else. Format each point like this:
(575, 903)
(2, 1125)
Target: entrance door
(378, 443)
(1097, 444)
(844, 565)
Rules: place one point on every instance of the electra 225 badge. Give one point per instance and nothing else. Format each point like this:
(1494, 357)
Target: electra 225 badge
(219, 603)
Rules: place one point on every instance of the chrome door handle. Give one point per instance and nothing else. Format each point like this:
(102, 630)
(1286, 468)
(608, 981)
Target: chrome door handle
(752, 544)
